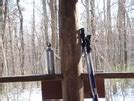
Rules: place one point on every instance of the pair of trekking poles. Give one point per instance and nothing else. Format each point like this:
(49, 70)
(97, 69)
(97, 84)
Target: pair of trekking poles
(86, 49)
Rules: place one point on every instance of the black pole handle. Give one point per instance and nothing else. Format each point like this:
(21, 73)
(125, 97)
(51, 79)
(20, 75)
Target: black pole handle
(85, 41)
(88, 43)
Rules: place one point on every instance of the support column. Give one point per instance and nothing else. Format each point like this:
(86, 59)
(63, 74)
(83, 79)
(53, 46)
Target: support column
(70, 52)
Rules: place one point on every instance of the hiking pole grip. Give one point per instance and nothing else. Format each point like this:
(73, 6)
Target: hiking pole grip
(86, 49)
(82, 37)
(88, 43)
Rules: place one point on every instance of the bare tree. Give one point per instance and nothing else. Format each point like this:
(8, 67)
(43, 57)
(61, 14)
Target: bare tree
(121, 25)
(93, 31)
(21, 48)
(88, 15)
(55, 35)
(53, 22)
(45, 20)
(4, 40)
(33, 41)
(12, 65)
(109, 32)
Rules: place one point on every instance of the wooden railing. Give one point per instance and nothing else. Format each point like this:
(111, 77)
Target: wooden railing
(115, 75)
(53, 83)
(43, 77)
(28, 78)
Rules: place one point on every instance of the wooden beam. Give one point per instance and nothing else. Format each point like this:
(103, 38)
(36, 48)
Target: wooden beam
(29, 78)
(45, 77)
(113, 75)
(100, 87)
(52, 89)
(70, 51)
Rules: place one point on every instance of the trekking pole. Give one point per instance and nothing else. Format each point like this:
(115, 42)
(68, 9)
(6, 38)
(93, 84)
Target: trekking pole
(86, 49)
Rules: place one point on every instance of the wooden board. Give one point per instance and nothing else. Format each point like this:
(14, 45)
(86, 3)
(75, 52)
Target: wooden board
(52, 89)
(100, 88)
(43, 77)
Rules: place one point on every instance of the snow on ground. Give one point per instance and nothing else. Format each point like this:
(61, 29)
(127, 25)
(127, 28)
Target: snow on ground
(101, 99)
(25, 95)
(35, 95)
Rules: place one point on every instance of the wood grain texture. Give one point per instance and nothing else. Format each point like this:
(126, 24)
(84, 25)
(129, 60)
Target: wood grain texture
(72, 86)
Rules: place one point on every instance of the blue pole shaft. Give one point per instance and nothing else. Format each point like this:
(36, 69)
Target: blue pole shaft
(91, 75)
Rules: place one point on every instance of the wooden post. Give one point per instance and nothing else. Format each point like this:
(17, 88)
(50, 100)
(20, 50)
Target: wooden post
(72, 85)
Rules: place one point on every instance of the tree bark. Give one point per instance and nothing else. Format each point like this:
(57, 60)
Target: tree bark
(70, 52)
(45, 22)
(34, 71)
(22, 39)
(88, 16)
(1, 46)
(121, 25)
(21, 49)
(109, 35)
(93, 32)
(53, 22)
(4, 39)
(11, 48)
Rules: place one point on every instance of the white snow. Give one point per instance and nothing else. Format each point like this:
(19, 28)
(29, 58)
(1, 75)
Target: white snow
(35, 95)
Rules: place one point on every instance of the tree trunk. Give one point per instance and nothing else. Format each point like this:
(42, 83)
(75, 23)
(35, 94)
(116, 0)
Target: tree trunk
(22, 39)
(21, 50)
(70, 52)
(45, 22)
(53, 22)
(122, 33)
(1, 42)
(45, 28)
(55, 35)
(93, 32)
(4, 39)
(88, 16)
(109, 35)
(54, 40)
(34, 71)
(11, 48)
